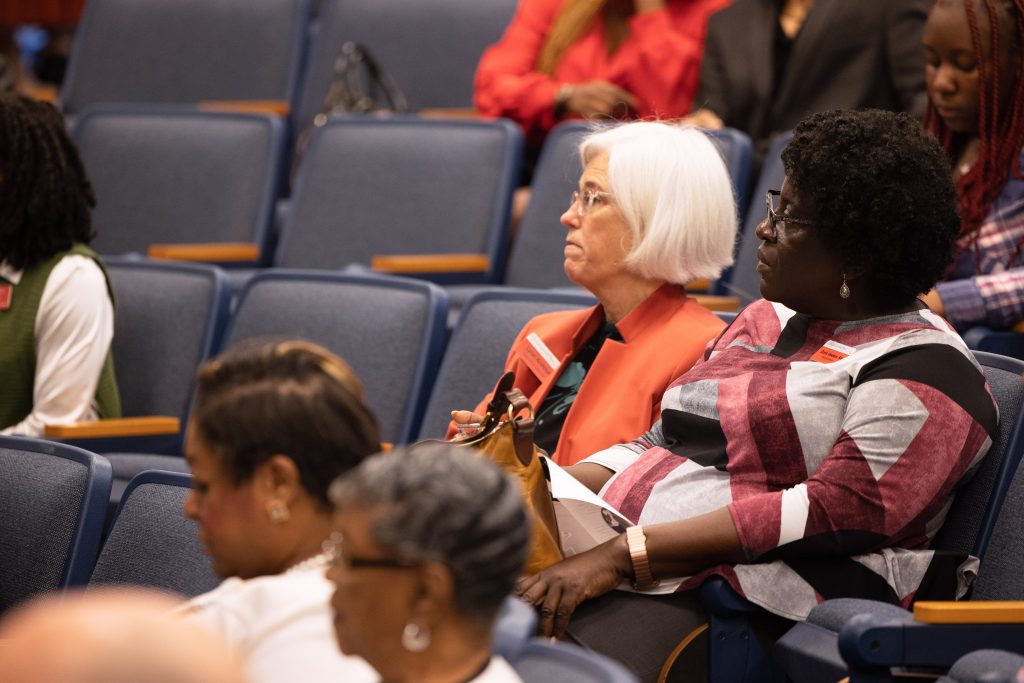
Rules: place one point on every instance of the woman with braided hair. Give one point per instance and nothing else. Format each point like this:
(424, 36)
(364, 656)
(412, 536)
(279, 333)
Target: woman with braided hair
(976, 109)
(594, 58)
(56, 303)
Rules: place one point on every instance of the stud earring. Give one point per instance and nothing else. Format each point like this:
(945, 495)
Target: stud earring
(277, 511)
(844, 289)
(415, 638)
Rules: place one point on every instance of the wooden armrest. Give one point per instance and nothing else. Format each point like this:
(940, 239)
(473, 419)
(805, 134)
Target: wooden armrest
(1019, 327)
(970, 612)
(450, 113)
(124, 426)
(275, 107)
(696, 285)
(432, 263)
(212, 252)
(717, 303)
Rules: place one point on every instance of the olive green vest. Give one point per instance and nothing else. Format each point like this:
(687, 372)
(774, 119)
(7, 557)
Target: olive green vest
(18, 344)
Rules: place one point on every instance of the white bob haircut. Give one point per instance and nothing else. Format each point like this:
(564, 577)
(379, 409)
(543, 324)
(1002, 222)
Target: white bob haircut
(672, 186)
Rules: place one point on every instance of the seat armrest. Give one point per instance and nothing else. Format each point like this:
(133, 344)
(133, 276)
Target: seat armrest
(970, 612)
(125, 426)
(274, 107)
(213, 252)
(1019, 327)
(462, 113)
(431, 263)
(714, 302)
(699, 285)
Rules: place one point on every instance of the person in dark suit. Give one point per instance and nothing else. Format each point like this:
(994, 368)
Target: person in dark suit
(769, 63)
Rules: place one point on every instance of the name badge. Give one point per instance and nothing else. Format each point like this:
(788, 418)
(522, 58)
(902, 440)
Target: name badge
(6, 291)
(831, 351)
(538, 356)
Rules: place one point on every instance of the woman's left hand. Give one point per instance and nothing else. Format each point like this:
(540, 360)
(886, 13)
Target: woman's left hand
(559, 589)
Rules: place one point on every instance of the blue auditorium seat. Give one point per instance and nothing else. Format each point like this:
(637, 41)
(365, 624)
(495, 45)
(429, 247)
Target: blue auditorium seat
(185, 51)
(53, 498)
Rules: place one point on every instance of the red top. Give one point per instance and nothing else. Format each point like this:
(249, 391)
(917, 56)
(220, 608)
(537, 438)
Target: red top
(659, 62)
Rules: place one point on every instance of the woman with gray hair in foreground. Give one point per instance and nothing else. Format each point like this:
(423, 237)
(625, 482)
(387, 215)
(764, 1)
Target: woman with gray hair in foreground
(427, 544)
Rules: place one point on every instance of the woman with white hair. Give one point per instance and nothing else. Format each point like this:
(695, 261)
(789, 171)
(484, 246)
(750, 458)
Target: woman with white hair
(654, 210)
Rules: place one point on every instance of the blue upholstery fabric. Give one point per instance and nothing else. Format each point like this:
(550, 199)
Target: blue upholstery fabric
(52, 504)
(167, 321)
(475, 356)
(560, 662)
(537, 257)
(743, 280)
(514, 626)
(176, 175)
(185, 51)
(390, 330)
(985, 666)
(151, 543)
(404, 185)
(431, 56)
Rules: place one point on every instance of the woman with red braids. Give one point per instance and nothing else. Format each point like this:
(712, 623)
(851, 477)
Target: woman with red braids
(976, 109)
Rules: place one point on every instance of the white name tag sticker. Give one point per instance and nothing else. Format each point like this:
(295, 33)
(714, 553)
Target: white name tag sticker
(542, 350)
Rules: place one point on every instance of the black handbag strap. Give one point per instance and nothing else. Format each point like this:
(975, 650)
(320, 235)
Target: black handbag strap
(347, 93)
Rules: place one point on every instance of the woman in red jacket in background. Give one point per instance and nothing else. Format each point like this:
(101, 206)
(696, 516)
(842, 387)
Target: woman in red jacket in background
(594, 58)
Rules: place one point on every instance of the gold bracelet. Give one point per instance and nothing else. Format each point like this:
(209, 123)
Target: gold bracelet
(636, 540)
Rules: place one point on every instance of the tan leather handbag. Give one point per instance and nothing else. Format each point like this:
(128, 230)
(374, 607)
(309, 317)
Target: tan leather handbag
(506, 437)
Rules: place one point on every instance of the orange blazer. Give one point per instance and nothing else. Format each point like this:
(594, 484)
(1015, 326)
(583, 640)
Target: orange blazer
(620, 397)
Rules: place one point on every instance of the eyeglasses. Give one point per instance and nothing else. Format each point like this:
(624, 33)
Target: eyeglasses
(584, 201)
(774, 218)
(332, 549)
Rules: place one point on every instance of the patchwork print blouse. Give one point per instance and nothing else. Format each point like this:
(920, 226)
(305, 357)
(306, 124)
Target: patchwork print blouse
(836, 446)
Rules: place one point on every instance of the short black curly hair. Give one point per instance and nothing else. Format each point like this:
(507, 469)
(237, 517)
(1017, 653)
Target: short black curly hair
(882, 196)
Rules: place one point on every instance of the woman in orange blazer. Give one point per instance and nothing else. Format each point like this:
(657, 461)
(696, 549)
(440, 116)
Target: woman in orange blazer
(654, 210)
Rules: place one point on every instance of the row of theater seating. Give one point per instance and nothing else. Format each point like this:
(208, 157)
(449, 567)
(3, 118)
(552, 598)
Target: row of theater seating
(53, 497)
(387, 193)
(371, 191)
(275, 53)
(985, 519)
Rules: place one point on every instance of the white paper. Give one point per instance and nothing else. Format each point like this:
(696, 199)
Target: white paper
(585, 520)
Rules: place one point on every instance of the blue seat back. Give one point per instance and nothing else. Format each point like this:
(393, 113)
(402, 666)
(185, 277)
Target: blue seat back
(430, 47)
(52, 504)
(971, 520)
(561, 662)
(985, 666)
(742, 279)
(168, 319)
(390, 330)
(175, 175)
(185, 51)
(537, 256)
(737, 153)
(475, 355)
(368, 186)
(151, 543)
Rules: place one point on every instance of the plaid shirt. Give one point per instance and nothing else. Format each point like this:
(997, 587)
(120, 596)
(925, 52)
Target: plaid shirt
(986, 287)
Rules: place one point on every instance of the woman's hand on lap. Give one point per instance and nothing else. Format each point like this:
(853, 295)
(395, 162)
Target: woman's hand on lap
(558, 590)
